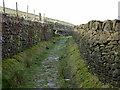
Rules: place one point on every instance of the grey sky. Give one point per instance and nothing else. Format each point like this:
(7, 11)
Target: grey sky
(73, 11)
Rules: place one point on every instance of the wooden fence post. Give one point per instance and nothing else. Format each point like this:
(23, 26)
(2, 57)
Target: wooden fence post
(40, 16)
(3, 6)
(27, 11)
(16, 9)
(34, 14)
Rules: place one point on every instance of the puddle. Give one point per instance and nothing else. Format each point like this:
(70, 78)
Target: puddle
(39, 85)
(67, 79)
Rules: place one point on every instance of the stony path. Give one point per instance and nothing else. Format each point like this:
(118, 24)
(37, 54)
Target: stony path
(47, 76)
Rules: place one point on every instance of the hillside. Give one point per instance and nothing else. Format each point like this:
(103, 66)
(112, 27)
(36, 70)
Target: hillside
(31, 16)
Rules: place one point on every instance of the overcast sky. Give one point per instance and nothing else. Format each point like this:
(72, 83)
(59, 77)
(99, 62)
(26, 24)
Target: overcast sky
(73, 11)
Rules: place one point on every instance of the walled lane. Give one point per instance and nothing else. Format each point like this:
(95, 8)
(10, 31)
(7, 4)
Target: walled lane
(47, 76)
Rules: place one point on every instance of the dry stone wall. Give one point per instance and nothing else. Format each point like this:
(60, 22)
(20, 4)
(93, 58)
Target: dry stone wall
(0, 37)
(64, 27)
(99, 43)
(19, 34)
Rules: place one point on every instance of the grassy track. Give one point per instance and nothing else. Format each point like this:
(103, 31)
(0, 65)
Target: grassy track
(53, 64)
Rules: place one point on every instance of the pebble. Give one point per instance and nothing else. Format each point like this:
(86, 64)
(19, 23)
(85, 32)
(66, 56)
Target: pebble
(41, 80)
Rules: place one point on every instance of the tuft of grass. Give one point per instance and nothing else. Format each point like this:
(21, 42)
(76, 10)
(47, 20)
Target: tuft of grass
(12, 73)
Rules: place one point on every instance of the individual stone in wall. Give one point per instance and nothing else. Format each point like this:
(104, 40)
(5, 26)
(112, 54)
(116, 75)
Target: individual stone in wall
(107, 25)
(116, 25)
